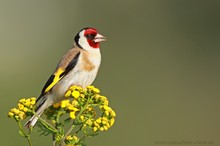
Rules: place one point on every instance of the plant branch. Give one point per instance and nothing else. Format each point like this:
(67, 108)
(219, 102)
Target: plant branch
(27, 136)
(77, 117)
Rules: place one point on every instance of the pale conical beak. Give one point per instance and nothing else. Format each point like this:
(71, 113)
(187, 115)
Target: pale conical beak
(99, 38)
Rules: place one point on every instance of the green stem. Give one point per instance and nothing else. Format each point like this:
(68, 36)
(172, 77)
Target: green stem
(54, 143)
(27, 136)
(69, 130)
(45, 123)
(54, 137)
(80, 129)
(62, 143)
(77, 117)
(56, 127)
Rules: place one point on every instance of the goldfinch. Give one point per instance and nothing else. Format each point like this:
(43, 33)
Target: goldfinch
(79, 66)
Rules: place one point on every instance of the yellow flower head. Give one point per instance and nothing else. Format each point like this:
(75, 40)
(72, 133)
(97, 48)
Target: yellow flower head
(104, 122)
(25, 109)
(82, 118)
(71, 107)
(106, 113)
(10, 114)
(96, 124)
(15, 111)
(82, 95)
(89, 122)
(105, 128)
(33, 98)
(64, 103)
(71, 140)
(20, 106)
(22, 115)
(113, 114)
(72, 115)
(69, 137)
(93, 89)
(68, 93)
(33, 102)
(75, 103)
(112, 121)
(56, 105)
(75, 94)
(79, 88)
(27, 103)
(96, 90)
(99, 120)
(95, 129)
(101, 129)
(22, 100)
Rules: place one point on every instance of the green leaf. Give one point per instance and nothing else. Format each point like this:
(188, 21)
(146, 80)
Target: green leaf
(21, 133)
(45, 129)
(67, 120)
(93, 134)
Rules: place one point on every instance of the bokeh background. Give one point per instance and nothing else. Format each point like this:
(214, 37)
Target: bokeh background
(160, 68)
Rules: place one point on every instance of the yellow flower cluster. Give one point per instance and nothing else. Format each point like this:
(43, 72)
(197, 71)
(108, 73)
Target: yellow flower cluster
(24, 107)
(104, 122)
(89, 95)
(76, 97)
(92, 98)
(74, 91)
(83, 104)
(93, 89)
(66, 104)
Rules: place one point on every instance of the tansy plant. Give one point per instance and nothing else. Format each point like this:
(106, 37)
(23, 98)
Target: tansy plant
(83, 113)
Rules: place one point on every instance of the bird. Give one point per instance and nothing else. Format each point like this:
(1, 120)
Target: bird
(79, 66)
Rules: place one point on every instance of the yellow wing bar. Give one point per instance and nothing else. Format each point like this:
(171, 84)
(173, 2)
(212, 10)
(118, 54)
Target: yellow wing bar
(56, 78)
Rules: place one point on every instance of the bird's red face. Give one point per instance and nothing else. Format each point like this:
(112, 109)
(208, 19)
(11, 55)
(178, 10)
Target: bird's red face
(93, 38)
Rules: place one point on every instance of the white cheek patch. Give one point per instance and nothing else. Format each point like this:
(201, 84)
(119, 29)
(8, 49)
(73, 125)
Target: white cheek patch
(84, 43)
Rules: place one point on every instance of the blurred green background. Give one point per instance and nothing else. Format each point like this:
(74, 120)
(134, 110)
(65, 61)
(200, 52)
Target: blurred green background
(160, 67)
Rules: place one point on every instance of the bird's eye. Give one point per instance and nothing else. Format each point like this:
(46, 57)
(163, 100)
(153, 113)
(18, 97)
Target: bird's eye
(90, 36)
